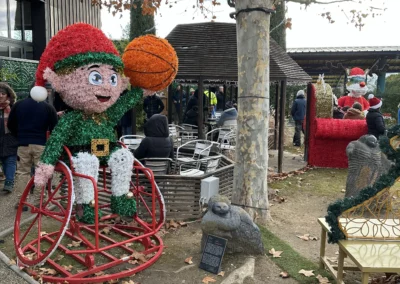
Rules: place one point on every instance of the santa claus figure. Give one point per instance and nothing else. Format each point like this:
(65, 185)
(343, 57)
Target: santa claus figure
(357, 88)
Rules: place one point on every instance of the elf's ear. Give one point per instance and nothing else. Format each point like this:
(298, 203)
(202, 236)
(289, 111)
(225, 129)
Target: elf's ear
(124, 83)
(51, 77)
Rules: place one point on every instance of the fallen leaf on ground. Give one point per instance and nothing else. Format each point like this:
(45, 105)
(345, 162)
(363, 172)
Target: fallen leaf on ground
(43, 233)
(208, 279)
(106, 230)
(322, 280)
(173, 224)
(139, 256)
(133, 261)
(68, 267)
(12, 262)
(100, 273)
(128, 282)
(58, 257)
(307, 273)
(182, 224)
(48, 271)
(221, 273)
(275, 253)
(284, 274)
(343, 190)
(150, 255)
(30, 255)
(74, 244)
(128, 245)
(112, 281)
(305, 237)
(189, 260)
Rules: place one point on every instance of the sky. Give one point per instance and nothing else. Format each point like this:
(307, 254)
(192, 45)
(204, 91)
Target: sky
(309, 29)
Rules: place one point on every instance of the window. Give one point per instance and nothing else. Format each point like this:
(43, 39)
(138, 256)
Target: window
(3, 19)
(15, 52)
(27, 21)
(16, 19)
(4, 51)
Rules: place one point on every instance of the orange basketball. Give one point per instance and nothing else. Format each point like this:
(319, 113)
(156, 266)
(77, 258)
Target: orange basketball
(150, 62)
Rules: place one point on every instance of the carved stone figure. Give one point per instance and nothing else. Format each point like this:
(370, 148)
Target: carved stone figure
(232, 223)
(366, 164)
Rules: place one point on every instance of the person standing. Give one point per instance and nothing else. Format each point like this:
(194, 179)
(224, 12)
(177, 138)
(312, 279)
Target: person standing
(30, 121)
(152, 103)
(8, 142)
(298, 113)
(375, 122)
(177, 102)
(220, 98)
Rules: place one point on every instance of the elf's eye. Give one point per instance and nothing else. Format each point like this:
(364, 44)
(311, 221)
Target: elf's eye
(95, 78)
(114, 80)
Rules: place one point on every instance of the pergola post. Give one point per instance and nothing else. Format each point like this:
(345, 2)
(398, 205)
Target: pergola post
(200, 118)
(181, 105)
(276, 127)
(281, 126)
(308, 119)
(169, 101)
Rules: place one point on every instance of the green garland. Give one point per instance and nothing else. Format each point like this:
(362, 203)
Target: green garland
(88, 214)
(123, 205)
(73, 62)
(336, 208)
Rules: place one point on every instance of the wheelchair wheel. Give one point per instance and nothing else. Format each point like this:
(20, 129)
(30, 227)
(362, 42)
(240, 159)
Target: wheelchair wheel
(36, 240)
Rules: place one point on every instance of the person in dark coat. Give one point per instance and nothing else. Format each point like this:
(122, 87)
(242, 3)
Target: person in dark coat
(8, 142)
(177, 102)
(220, 98)
(157, 143)
(298, 113)
(192, 115)
(152, 104)
(375, 122)
(30, 121)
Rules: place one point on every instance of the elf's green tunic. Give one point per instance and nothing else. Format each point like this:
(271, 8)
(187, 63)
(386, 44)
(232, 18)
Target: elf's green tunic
(75, 129)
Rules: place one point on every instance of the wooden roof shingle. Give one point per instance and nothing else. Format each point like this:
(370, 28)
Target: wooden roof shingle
(209, 50)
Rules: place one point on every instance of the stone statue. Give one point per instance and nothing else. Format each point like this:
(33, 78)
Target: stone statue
(232, 223)
(366, 164)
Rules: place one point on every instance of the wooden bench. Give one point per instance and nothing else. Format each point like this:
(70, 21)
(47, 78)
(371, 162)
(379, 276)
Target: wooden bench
(369, 256)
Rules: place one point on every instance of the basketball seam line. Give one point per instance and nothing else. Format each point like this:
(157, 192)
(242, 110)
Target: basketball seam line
(152, 54)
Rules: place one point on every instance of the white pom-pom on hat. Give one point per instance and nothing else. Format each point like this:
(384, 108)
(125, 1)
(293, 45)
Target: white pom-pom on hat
(39, 93)
(370, 96)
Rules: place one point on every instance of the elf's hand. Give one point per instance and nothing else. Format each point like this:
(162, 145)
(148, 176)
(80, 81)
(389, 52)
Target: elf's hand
(42, 174)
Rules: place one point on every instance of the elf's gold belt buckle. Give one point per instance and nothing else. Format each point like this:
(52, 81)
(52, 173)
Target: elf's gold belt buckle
(100, 147)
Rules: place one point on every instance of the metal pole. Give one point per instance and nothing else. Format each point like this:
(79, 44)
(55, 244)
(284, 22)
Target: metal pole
(276, 116)
(201, 112)
(281, 125)
(181, 105)
(231, 93)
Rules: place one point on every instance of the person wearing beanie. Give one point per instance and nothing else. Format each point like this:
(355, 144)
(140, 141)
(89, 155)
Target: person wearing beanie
(83, 66)
(298, 112)
(375, 122)
(8, 142)
(355, 112)
(220, 98)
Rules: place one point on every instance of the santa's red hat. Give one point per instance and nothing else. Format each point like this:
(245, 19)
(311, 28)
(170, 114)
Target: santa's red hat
(356, 71)
(77, 45)
(374, 103)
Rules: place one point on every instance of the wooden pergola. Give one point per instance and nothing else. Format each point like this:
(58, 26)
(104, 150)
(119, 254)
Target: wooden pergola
(207, 52)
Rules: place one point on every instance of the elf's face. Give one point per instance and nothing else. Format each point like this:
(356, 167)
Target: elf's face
(92, 88)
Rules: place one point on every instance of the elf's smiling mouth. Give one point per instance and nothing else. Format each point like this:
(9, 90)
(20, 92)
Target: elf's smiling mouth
(103, 99)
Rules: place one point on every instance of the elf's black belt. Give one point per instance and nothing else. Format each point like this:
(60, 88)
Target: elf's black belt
(99, 147)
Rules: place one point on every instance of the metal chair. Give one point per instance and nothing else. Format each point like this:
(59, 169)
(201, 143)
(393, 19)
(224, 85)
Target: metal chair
(131, 141)
(201, 148)
(160, 166)
(174, 132)
(189, 132)
(201, 166)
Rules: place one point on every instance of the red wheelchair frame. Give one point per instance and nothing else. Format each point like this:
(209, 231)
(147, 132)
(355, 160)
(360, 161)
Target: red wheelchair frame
(36, 248)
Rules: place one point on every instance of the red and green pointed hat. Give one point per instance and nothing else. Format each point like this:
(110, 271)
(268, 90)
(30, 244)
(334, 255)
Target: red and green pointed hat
(77, 45)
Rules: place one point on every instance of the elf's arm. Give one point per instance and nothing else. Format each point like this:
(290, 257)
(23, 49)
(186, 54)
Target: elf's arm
(54, 147)
(123, 104)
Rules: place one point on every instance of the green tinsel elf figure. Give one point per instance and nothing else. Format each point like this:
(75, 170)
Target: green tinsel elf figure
(84, 67)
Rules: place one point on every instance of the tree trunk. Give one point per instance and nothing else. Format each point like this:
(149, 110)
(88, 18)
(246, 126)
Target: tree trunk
(277, 25)
(251, 169)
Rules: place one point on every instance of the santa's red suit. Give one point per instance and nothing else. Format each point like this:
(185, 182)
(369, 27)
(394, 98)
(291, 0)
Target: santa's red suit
(357, 89)
(349, 101)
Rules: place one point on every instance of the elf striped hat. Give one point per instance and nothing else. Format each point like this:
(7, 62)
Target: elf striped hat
(77, 45)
